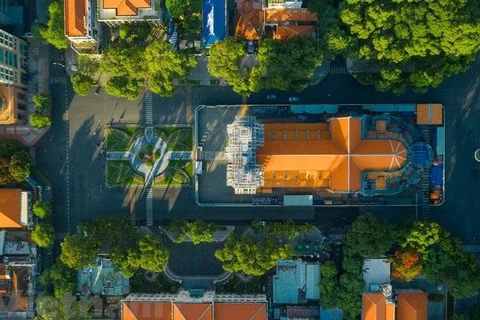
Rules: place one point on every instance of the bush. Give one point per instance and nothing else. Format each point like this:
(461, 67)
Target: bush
(42, 101)
(149, 163)
(156, 155)
(141, 155)
(43, 235)
(149, 148)
(42, 209)
(40, 120)
(124, 31)
(82, 83)
(143, 31)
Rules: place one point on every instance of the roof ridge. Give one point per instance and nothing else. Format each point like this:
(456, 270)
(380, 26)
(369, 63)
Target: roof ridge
(261, 307)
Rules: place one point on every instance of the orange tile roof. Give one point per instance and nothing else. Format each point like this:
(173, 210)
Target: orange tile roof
(430, 113)
(307, 151)
(75, 11)
(192, 311)
(287, 32)
(240, 311)
(276, 15)
(146, 310)
(10, 208)
(127, 7)
(248, 23)
(412, 306)
(375, 307)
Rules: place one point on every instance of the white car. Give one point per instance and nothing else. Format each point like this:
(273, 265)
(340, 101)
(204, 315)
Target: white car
(293, 99)
(271, 97)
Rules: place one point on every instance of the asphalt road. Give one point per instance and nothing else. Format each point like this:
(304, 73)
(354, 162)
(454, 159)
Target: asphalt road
(90, 199)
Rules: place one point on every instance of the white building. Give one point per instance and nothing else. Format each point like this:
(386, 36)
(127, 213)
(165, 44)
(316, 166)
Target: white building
(13, 60)
(285, 4)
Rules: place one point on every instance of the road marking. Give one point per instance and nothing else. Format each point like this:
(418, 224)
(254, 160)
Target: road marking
(188, 104)
(67, 160)
(471, 248)
(149, 207)
(338, 70)
(148, 108)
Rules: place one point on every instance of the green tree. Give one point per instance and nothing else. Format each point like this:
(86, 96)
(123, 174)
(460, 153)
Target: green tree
(123, 87)
(369, 237)
(179, 8)
(59, 279)
(39, 120)
(286, 65)
(198, 231)
(329, 285)
(14, 162)
(78, 251)
(122, 59)
(244, 254)
(66, 308)
(82, 84)
(422, 236)
(19, 167)
(417, 43)
(153, 254)
(43, 235)
(164, 64)
(88, 65)
(54, 33)
(42, 101)
(42, 209)
(226, 62)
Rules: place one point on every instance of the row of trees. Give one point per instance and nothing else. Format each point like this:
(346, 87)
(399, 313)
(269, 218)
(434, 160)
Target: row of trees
(156, 65)
(43, 234)
(14, 162)
(416, 43)
(197, 231)
(280, 65)
(40, 118)
(415, 248)
(128, 250)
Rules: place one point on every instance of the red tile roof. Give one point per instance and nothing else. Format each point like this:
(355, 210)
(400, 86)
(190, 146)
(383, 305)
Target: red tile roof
(10, 208)
(127, 7)
(75, 11)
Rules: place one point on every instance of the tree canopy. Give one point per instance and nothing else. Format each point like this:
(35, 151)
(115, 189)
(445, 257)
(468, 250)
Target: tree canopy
(417, 43)
(406, 265)
(122, 59)
(178, 8)
(369, 237)
(197, 231)
(42, 209)
(88, 65)
(59, 279)
(287, 229)
(43, 235)
(14, 162)
(54, 32)
(254, 257)
(42, 101)
(123, 87)
(82, 83)
(39, 120)
(78, 252)
(66, 308)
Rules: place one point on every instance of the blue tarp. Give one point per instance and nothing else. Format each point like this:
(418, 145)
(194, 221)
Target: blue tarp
(214, 21)
(437, 175)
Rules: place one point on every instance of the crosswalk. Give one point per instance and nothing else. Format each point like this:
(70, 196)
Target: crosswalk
(338, 70)
(149, 207)
(148, 108)
(471, 248)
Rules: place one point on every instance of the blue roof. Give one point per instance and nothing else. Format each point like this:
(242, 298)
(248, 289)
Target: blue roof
(296, 281)
(214, 21)
(331, 314)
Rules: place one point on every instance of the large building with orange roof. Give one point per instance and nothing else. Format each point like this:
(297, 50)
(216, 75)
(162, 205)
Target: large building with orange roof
(402, 305)
(342, 155)
(80, 21)
(117, 12)
(182, 306)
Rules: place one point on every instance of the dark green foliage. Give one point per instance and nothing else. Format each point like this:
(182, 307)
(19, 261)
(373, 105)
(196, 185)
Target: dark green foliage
(43, 235)
(54, 32)
(58, 279)
(82, 83)
(78, 251)
(123, 59)
(123, 87)
(287, 229)
(88, 65)
(253, 257)
(42, 101)
(42, 209)
(198, 231)
(141, 155)
(124, 31)
(39, 120)
(179, 8)
(369, 237)
(14, 162)
(431, 39)
(143, 31)
(149, 148)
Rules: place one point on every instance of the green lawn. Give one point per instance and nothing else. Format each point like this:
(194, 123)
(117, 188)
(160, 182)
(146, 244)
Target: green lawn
(177, 138)
(119, 173)
(234, 285)
(177, 173)
(120, 139)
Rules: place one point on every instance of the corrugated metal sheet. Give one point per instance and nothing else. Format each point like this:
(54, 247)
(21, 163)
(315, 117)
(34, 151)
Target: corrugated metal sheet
(313, 281)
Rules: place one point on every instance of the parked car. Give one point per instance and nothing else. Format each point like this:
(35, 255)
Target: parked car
(97, 91)
(250, 47)
(293, 99)
(271, 97)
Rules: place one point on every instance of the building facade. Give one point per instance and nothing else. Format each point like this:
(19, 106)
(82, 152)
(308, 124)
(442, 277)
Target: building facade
(80, 21)
(13, 60)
